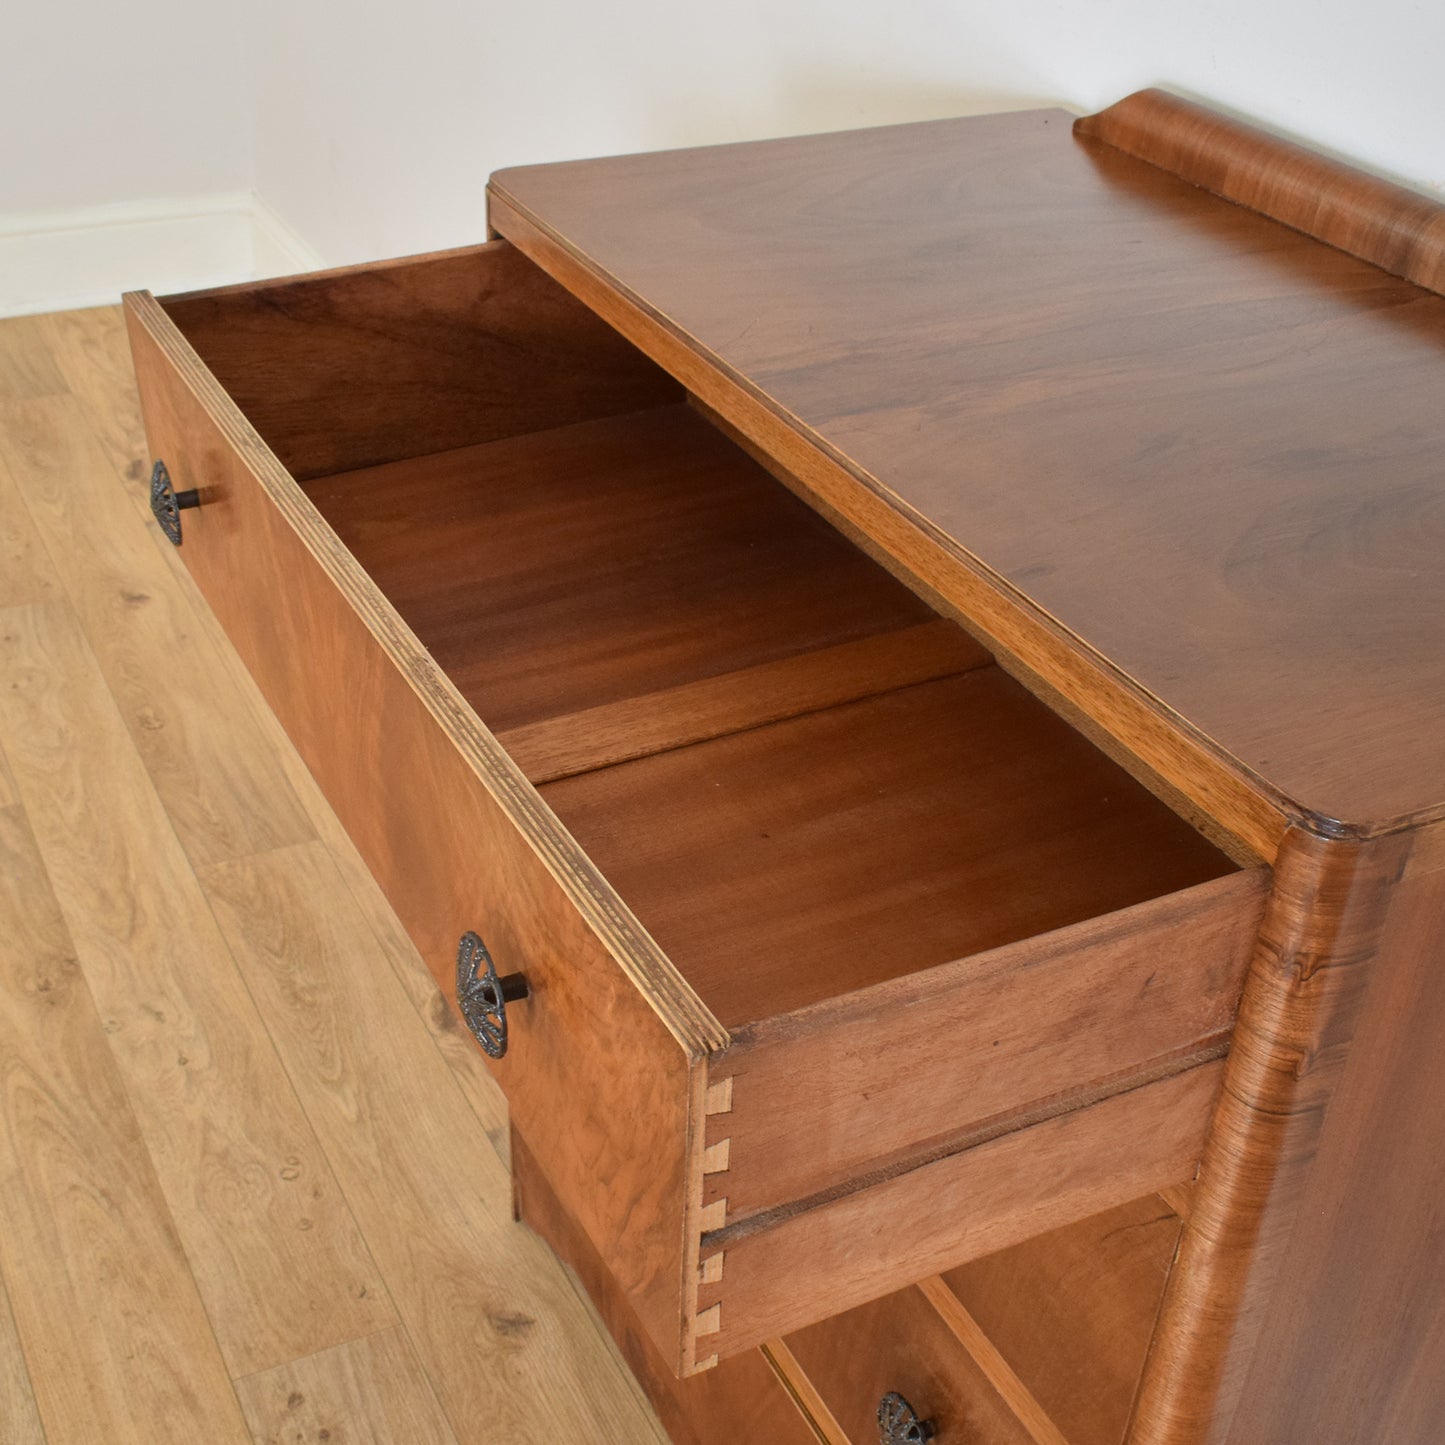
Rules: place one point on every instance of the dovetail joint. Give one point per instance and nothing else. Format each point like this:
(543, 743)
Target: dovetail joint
(719, 1097)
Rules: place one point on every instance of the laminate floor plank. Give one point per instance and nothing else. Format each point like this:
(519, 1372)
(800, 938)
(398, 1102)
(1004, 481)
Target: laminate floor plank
(366, 1392)
(493, 1316)
(27, 364)
(219, 780)
(275, 1251)
(9, 798)
(26, 571)
(118, 1343)
(19, 1415)
(92, 354)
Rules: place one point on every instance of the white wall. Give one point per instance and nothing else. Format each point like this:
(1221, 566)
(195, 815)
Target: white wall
(124, 146)
(379, 121)
(137, 138)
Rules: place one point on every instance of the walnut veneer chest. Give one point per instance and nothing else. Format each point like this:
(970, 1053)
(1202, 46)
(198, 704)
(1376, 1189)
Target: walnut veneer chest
(898, 676)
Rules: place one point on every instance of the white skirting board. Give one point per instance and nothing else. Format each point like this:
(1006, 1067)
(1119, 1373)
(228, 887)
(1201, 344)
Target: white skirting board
(87, 258)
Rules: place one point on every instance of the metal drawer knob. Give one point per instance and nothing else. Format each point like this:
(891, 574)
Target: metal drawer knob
(167, 504)
(483, 997)
(898, 1422)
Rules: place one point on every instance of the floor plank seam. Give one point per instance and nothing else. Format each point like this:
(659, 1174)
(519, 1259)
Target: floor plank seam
(9, 1308)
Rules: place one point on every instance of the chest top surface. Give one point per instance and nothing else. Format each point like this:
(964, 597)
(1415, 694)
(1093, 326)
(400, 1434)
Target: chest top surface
(1209, 447)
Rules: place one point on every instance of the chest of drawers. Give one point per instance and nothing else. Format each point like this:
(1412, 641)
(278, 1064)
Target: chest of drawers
(896, 677)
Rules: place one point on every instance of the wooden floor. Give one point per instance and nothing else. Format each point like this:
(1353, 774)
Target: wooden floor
(250, 1173)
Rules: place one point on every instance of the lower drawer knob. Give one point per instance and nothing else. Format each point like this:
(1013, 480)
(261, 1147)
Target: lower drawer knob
(483, 997)
(898, 1422)
(167, 504)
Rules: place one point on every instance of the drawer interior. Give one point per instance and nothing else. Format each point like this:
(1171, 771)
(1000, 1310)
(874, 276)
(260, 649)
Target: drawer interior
(800, 778)
(1069, 1315)
(1041, 1342)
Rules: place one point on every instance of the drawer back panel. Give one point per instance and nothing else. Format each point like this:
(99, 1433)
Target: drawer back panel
(352, 368)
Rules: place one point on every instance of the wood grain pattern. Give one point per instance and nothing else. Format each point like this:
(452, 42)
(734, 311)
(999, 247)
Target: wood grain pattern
(1354, 1338)
(26, 571)
(92, 354)
(492, 859)
(219, 783)
(87, 1246)
(27, 366)
(427, 1190)
(590, 564)
(901, 1344)
(874, 840)
(1398, 230)
(736, 1401)
(1185, 425)
(1072, 1311)
(785, 1273)
(273, 1247)
(1297, 1016)
(365, 1392)
(767, 692)
(895, 1070)
(349, 368)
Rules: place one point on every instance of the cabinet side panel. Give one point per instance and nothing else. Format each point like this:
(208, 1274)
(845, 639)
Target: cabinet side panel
(605, 1069)
(1353, 1345)
(1317, 951)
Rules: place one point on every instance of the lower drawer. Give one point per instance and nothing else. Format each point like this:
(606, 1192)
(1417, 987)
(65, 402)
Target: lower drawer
(843, 960)
(883, 1367)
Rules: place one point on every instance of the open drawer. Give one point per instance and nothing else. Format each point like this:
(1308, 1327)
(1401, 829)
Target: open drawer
(846, 960)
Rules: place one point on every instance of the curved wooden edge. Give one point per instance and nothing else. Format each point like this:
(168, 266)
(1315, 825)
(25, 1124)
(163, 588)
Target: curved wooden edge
(1396, 229)
(1316, 952)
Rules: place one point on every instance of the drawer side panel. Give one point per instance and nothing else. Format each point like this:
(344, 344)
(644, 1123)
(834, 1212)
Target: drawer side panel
(604, 1069)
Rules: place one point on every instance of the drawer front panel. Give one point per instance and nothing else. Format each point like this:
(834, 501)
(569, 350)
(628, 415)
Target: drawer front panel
(604, 1071)
(780, 1272)
(911, 1068)
(899, 1346)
